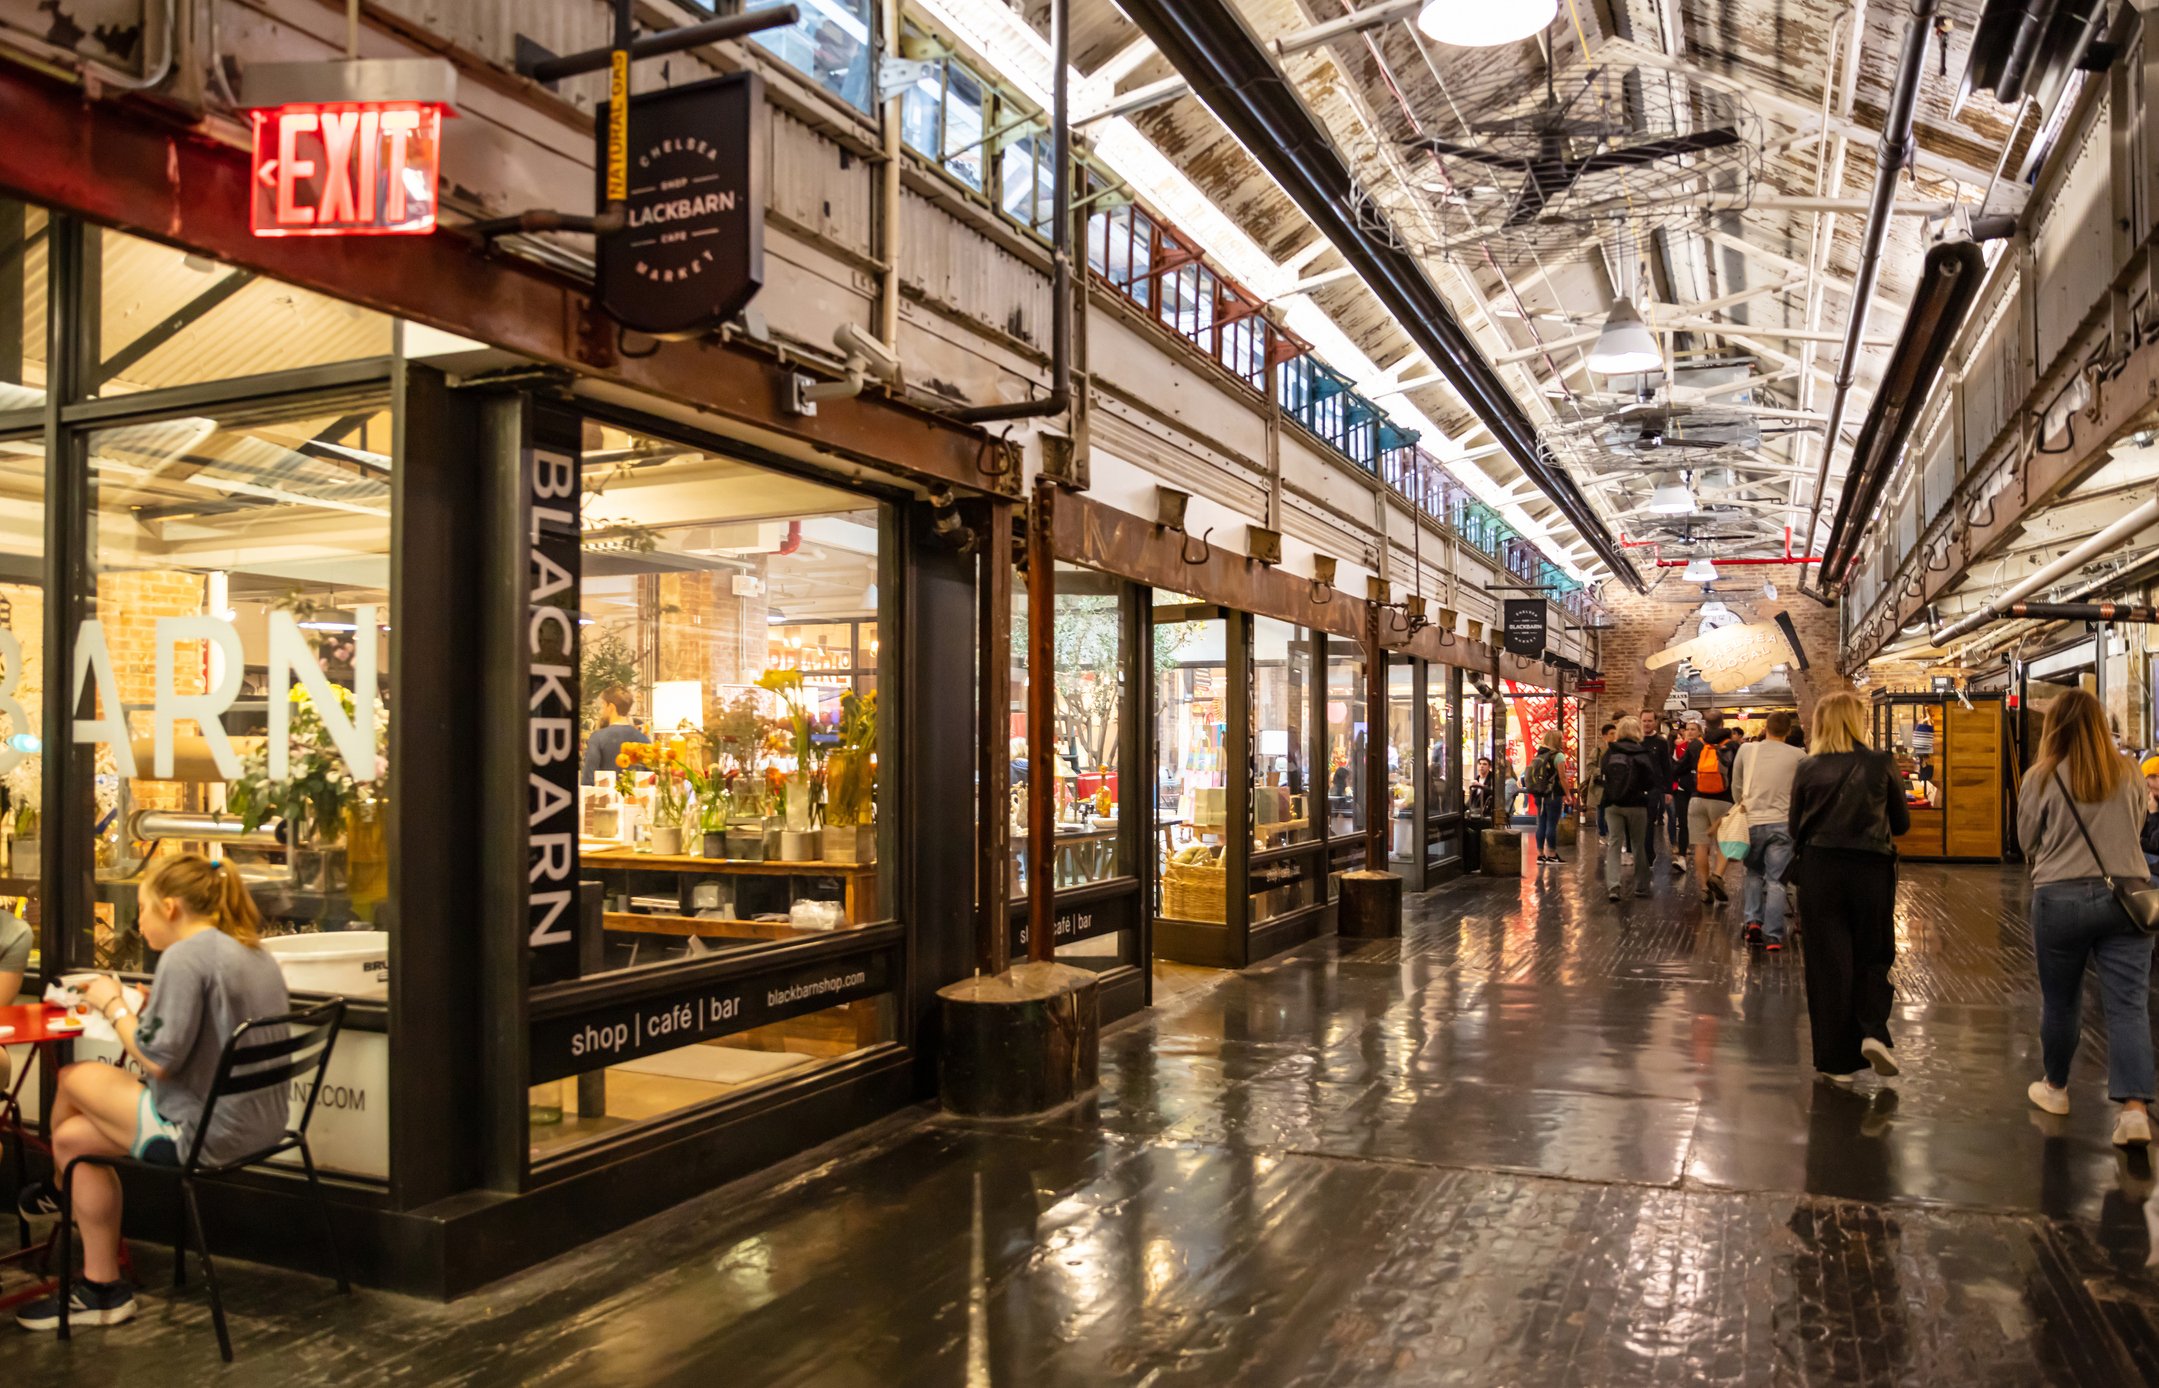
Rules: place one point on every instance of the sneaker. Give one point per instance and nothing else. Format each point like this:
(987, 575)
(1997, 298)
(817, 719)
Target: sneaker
(38, 1200)
(1878, 1056)
(89, 1303)
(1641, 891)
(1679, 869)
(1773, 947)
(1611, 894)
(1709, 898)
(1716, 886)
(2047, 1097)
(1753, 933)
(1841, 1081)
(2132, 1129)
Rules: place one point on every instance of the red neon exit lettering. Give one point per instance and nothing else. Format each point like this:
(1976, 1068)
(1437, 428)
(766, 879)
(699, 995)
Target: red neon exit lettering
(358, 169)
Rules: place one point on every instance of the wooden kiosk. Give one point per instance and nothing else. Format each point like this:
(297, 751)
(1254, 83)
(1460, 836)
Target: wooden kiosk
(1955, 761)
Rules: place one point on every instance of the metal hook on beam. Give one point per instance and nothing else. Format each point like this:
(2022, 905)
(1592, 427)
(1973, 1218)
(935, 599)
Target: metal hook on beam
(1206, 549)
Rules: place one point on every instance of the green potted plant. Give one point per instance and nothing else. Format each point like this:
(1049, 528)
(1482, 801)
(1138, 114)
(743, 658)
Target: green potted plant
(23, 848)
(851, 784)
(316, 800)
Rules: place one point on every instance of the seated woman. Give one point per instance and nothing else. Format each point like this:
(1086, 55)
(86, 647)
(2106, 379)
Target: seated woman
(212, 975)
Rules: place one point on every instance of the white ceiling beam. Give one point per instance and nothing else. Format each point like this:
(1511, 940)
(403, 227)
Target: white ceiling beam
(1125, 61)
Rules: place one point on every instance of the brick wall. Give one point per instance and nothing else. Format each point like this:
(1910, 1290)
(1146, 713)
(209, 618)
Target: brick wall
(1671, 612)
(709, 634)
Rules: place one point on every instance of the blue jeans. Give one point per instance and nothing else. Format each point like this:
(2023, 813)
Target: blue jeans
(1549, 808)
(2076, 922)
(1764, 899)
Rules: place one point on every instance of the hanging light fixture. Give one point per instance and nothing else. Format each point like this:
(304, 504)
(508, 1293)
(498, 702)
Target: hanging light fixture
(1485, 23)
(1625, 346)
(1670, 496)
(1700, 570)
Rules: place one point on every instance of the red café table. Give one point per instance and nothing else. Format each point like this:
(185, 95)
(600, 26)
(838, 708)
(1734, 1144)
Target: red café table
(32, 1024)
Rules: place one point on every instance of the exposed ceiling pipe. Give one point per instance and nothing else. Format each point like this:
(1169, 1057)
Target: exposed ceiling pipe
(2031, 583)
(1233, 73)
(1895, 152)
(2139, 613)
(1059, 398)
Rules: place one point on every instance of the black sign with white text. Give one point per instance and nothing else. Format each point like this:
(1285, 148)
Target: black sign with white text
(1523, 623)
(576, 1043)
(693, 254)
(552, 490)
(1081, 921)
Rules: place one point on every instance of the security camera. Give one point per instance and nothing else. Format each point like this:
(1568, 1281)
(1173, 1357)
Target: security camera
(878, 359)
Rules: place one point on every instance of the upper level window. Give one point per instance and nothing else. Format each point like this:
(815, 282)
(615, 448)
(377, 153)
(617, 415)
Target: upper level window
(830, 43)
(941, 117)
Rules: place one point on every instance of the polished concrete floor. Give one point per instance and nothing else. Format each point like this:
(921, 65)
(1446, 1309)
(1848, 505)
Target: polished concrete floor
(1540, 1140)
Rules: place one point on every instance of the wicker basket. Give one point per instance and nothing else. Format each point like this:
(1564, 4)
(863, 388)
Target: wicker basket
(1195, 892)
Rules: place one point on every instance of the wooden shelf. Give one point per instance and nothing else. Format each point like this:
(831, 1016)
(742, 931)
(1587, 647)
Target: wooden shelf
(630, 858)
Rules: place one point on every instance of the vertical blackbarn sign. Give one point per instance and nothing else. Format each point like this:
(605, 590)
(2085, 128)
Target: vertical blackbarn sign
(552, 489)
(1523, 626)
(693, 253)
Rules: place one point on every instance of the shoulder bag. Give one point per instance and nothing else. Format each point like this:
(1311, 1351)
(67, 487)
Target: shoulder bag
(2136, 896)
(1735, 832)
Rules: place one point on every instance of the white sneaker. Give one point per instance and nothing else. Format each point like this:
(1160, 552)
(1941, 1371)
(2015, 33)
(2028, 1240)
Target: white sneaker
(1843, 1081)
(2046, 1096)
(2132, 1129)
(1879, 1057)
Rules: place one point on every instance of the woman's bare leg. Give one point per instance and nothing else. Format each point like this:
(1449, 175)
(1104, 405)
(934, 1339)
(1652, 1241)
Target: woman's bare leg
(101, 1102)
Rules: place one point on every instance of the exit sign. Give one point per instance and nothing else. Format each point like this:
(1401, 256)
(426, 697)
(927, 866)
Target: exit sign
(365, 168)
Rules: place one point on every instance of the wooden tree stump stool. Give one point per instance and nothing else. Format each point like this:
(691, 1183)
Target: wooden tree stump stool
(1502, 853)
(1021, 1042)
(1371, 905)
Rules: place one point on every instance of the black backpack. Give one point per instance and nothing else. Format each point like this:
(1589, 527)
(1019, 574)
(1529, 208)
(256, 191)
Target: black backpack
(1625, 779)
(1543, 777)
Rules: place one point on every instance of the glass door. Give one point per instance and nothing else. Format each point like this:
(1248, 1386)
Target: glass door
(1201, 731)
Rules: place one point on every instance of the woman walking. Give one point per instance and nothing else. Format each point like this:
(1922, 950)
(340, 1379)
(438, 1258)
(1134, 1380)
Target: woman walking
(2078, 813)
(1547, 780)
(1847, 807)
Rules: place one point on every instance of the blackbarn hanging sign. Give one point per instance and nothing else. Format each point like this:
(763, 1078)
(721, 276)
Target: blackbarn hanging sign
(693, 253)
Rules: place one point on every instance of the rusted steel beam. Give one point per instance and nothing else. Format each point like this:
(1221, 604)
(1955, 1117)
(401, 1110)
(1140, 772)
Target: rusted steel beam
(1378, 808)
(117, 165)
(993, 747)
(1102, 537)
(1041, 717)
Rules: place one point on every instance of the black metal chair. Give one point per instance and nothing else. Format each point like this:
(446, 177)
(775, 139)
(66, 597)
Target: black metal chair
(298, 1053)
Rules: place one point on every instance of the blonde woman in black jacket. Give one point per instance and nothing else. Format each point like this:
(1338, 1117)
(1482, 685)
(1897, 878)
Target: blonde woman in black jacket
(1847, 808)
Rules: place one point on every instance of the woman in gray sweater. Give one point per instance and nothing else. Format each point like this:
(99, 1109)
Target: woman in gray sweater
(2078, 813)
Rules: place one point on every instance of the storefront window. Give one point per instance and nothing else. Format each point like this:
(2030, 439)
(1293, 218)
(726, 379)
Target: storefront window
(172, 318)
(730, 784)
(1281, 732)
(1193, 764)
(22, 678)
(1088, 695)
(1346, 733)
(1404, 755)
(237, 662)
(24, 241)
(1440, 766)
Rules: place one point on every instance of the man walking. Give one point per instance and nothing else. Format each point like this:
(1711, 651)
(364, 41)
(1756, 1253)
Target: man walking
(1684, 751)
(1762, 781)
(1632, 775)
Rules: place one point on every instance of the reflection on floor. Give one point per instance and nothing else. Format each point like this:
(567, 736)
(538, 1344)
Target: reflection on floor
(1538, 1140)
(1174, 981)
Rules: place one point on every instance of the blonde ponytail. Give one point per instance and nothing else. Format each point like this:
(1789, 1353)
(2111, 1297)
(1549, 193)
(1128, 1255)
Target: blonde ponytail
(212, 891)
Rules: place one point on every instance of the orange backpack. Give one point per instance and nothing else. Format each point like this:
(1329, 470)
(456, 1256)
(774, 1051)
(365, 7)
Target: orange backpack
(1709, 773)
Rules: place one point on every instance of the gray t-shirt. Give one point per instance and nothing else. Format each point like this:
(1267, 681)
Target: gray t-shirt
(2055, 848)
(16, 938)
(204, 988)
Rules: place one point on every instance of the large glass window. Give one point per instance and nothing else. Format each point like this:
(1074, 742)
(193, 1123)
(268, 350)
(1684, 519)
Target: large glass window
(1405, 836)
(22, 678)
(731, 782)
(238, 660)
(1346, 733)
(1281, 731)
(830, 44)
(171, 318)
(1089, 697)
(24, 241)
(1193, 764)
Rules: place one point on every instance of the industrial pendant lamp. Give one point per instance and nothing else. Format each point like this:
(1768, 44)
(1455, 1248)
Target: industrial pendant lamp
(1485, 23)
(1700, 570)
(1624, 346)
(1670, 497)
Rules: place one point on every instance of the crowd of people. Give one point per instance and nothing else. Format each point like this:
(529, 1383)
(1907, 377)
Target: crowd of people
(1821, 811)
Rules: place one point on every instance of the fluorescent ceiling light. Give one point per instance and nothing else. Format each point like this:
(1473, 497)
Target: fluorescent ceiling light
(1700, 571)
(1485, 23)
(1624, 346)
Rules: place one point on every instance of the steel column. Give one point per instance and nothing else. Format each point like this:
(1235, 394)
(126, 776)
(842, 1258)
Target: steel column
(1041, 719)
(993, 748)
(1378, 813)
